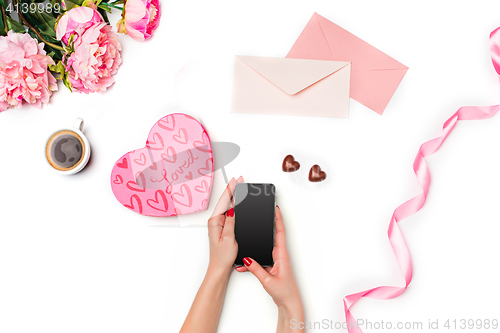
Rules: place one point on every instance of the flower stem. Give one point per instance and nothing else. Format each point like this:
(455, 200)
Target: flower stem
(54, 46)
(4, 18)
(110, 5)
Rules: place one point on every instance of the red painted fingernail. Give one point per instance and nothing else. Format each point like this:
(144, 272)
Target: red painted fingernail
(230, 212)
(277, 206)
(247, 261)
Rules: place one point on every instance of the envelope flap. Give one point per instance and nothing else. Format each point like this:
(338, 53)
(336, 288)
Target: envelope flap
(292, 75)
(376, 87)
(346, 46)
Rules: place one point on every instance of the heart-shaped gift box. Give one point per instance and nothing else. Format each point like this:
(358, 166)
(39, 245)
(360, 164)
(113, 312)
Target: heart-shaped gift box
(172, 174)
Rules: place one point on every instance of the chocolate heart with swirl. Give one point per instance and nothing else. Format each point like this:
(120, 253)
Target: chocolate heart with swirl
(290, 164)
(316, 174)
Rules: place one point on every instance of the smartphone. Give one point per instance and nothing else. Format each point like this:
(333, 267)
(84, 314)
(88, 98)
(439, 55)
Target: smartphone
(254, 230)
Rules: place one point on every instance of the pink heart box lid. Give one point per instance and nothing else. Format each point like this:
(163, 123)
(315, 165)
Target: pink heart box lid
(172, 175)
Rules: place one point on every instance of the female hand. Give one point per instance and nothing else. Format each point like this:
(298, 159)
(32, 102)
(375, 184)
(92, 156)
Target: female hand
(223, 246)
(278, 281)
(204, 314)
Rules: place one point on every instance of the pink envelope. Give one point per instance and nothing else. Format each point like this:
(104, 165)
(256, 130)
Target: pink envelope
(296, 87)
(375, 76)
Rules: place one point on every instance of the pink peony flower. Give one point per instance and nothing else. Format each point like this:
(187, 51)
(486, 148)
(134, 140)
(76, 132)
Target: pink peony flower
(139, 18)
(23, 72)
(95, 55)
(76, 21)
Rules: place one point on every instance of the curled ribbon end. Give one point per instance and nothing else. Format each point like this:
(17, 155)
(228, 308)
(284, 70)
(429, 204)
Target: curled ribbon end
(495, 49)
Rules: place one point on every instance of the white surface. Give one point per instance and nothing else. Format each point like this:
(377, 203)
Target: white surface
(72, 259)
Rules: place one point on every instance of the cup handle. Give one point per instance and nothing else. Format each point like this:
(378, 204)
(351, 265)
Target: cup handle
(78, 124)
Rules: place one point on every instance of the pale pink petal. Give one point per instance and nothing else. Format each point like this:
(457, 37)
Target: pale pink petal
(135, 10)
(24, 77)
(140, 18)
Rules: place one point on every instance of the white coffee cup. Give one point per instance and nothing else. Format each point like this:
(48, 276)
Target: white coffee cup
(67, 150)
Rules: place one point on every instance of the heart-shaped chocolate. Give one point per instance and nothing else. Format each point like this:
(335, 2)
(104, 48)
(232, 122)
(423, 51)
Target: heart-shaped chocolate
(316, 174)
(290, 164)
(172, 175)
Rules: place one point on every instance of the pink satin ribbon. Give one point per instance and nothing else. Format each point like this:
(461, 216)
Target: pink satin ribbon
(413, 205)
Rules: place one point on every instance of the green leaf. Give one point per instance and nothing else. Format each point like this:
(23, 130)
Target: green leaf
(42, 22)
(56, 54)
(104, 14)
(107, 6)
(63, 74)
(72, 3)
(104, 7)
(67, 83)
(3, 18)
(14, 25)
(60, 4)
(59, 68)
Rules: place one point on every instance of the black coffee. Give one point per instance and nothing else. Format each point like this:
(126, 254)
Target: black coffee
(65, 150)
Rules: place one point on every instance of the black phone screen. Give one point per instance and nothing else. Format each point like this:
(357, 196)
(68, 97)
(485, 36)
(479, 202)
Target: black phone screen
(254, 224)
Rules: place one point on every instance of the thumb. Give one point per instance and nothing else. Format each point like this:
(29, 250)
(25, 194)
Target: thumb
(256, 269)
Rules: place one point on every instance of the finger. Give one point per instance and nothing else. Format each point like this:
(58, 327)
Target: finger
(241, 269)
(280, 238)
(239, 180)
(260, 273)
(228, 230)
(216, 226)
(225, 199)
(230, 218)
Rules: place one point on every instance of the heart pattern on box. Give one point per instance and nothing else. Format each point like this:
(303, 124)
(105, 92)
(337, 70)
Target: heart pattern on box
(172, 174)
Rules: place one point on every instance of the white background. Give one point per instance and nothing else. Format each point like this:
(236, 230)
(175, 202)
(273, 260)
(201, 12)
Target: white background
(72, 259)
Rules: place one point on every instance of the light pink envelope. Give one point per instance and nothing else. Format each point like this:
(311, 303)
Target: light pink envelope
(375, 76)
(296, 87)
